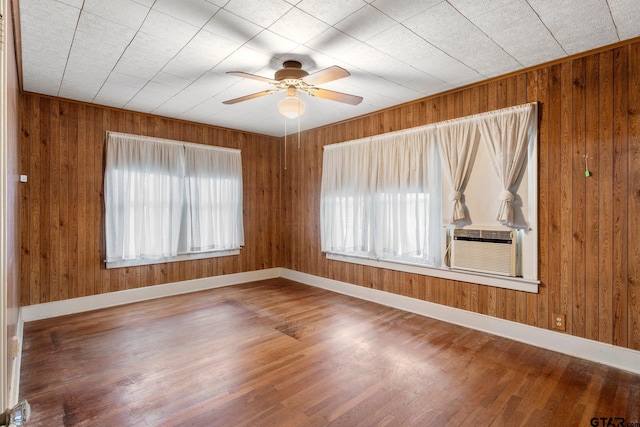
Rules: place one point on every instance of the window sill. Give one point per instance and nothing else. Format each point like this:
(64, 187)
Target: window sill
(183, 257)
(515, 283)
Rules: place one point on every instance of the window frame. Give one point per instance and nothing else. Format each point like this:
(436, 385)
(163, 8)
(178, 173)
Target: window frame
(527, 237)
(182, 251)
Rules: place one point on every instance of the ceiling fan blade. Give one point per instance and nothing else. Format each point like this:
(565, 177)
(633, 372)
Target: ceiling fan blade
(335, 96)
(327, 75)
(253, 77)
(252, 96)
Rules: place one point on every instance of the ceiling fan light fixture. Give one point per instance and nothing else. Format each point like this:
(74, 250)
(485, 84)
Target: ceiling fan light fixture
(291, 106)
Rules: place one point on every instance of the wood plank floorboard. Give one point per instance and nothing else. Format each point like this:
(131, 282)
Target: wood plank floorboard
(279, 353)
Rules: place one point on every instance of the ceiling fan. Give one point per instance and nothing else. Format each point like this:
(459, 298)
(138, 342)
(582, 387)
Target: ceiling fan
(293, 78)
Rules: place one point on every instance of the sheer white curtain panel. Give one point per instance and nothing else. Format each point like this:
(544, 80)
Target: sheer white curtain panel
(506, 138)
(167, 198)
(214, 199)
(405, 216)
(144, 193)
(346, 199)
(377, 198)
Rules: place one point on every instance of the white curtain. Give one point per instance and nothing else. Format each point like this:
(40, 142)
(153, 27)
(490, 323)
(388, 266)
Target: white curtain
(164, 198)
(346, 200)
(144, 193)
(377, 198)
(506, 137)
(456, 140)
(214, 199)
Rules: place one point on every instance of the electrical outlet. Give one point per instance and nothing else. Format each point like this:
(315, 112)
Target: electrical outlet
(559, 322)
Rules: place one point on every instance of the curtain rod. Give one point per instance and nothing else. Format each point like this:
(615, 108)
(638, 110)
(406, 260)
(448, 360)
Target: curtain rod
(169, 141)
(435, 125)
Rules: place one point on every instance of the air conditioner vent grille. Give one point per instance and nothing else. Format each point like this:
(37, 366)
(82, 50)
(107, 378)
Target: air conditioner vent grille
(484, 250)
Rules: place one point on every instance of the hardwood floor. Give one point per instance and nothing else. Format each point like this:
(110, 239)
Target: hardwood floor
(280, 353)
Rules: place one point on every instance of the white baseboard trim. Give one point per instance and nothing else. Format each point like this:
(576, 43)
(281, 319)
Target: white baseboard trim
(618, 357)
(95, 302)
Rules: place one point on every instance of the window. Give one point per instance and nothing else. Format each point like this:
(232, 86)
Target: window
(167, 200)
(375, 199)
(392, 200)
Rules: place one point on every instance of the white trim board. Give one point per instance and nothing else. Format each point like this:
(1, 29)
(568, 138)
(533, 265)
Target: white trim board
(618, 357)
(607, 354)
(112, 299)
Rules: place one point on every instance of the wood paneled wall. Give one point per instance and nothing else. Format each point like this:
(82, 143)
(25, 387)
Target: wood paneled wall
(62, 206)
(589, 259)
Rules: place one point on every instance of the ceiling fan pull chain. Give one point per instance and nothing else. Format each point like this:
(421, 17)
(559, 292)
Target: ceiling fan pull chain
(298, 129)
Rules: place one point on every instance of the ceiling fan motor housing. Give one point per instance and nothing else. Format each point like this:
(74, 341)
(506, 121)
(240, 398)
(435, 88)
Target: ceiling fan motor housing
(292, 71)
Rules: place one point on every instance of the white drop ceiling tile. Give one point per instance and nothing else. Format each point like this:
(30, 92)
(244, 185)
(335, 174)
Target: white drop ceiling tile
(82, 82)
(388, 89)
(125, 12)
(152, 96)
(118, 89)
(405, 9)
(219, 3)
(74, 3)
(134, 65)
(311, 59)
(208, 43)
(211, 106)
(190, 64)
(195, 12)
(48, 11)
(262, 13)
(212, 83)
(298, 26)
(365, 23)
(379, 63)
(146, 56)
(172, 81)
(46, 81)
(232, 27)
(203, 52)
(625, 14)
(428, 85)
(448, 30)
(77, 92)
(423, 56)
(333, 43)
(514, 26)
(183, 101)
(591, 23)
(471, 8)
(48, 19)
(244, 59)
(42, 70)
(331, 11)
(272, 42)
(90, 46)
(44, 48)
(168, 28)
(171, 109)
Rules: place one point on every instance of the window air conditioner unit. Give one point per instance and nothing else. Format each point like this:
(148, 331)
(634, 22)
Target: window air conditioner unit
(484, 250)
